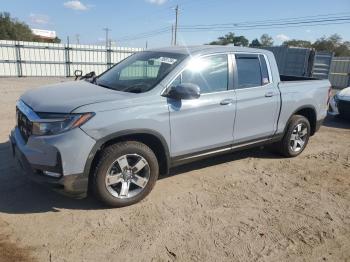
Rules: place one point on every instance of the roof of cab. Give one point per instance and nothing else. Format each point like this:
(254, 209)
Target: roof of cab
(207, 49)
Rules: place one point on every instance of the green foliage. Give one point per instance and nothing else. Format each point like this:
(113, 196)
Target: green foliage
(255, 43)
(230, 38)
(12, 29)
(266, 40)
(55, 40)
(334, 44)
(297, 43)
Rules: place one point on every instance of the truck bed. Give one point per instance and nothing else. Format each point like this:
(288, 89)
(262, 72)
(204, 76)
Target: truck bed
(288, 78)
(298, 92)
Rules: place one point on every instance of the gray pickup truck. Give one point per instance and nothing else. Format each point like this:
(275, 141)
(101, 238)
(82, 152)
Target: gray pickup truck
(115, 133)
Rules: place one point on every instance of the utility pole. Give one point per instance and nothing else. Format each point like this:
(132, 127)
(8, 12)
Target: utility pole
(107, 40)
(176, 22)
(172, 35)
(77, 37)
(146, 44)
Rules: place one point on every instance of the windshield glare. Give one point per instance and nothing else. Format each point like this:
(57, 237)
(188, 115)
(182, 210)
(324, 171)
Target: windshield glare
(140, 72)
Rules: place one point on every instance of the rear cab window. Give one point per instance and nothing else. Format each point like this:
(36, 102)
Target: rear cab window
(252, 70)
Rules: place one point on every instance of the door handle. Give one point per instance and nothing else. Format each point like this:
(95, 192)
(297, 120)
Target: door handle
(269, 94)
(227, 101)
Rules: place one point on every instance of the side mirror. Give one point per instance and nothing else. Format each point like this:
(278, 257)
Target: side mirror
(184, 91)
(78, 73)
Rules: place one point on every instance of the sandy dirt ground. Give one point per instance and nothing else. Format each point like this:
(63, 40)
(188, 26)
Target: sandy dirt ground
(247, 206)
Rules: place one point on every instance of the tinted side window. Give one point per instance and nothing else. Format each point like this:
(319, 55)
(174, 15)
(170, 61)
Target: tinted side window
(264, 70)
(249, 71)
(209, 73)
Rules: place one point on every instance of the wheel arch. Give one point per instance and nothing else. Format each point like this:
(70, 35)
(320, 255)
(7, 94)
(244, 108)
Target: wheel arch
(310, 113)
(151, 138)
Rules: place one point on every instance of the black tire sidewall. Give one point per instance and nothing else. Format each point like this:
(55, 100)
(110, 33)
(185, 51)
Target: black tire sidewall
(108, 157)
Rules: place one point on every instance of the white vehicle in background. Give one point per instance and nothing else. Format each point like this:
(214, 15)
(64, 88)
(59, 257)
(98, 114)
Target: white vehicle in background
(339, 105)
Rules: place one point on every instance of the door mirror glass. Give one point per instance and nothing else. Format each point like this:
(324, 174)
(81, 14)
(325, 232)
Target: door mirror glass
(184, 91)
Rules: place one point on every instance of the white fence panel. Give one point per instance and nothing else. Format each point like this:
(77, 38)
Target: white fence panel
(19, 58)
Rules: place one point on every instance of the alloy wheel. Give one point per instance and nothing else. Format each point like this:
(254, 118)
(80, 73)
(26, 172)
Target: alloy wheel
(298, 137)
(127, 176)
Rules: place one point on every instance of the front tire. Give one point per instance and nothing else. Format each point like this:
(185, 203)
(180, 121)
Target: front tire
(125, 174)
(296, 137)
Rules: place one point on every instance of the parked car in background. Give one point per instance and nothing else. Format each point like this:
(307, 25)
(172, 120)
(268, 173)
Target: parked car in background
(115, 133)
(340, 104)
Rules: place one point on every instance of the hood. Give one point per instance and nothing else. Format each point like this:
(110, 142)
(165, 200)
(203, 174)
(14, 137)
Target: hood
(65, 97)
(344, 94)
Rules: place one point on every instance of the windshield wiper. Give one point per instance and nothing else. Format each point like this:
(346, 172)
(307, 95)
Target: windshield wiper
(105, 86)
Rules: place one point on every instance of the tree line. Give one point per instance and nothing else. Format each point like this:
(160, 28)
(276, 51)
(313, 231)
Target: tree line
(12, 29)
(333, 43)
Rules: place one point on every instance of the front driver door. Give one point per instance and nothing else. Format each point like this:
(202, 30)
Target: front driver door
(206, 123)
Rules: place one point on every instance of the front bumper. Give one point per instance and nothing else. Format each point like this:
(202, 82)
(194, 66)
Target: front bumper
(344, 108)
(333, 107)
(65, 154)
(339, 107)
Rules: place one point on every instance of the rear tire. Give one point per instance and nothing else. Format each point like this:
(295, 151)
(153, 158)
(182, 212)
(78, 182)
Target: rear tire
(296, 137)
(125, 174)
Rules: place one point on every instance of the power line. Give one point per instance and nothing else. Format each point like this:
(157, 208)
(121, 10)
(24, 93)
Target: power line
(268, 25)
(316, 20)
(326, 16)
(263, 27)
(146, 34)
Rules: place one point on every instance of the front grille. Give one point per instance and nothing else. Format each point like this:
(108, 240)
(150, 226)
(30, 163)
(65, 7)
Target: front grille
(344, 108)
(24, 125)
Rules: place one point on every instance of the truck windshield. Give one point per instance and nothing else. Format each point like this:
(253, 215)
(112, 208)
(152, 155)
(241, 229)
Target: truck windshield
(140, 72)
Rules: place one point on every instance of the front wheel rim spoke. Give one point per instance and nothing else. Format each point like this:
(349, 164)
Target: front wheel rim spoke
(114, 179)
(295, 145)
(301, 143)
(123, 162)
(303, 132)
(124, 191)
(139, 181)
(141, 163)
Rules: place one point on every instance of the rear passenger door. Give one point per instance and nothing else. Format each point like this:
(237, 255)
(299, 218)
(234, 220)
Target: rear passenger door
(257, 98)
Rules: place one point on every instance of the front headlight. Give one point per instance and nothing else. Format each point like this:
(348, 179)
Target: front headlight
(52, 124)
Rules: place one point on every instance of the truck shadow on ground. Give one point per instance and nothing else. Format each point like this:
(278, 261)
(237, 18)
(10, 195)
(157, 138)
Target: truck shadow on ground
(19, 195)
(336, 122)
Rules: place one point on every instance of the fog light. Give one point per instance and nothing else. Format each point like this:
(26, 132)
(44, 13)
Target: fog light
(52, 174)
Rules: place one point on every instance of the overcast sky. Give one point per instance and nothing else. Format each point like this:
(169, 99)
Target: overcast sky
(134, 17)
